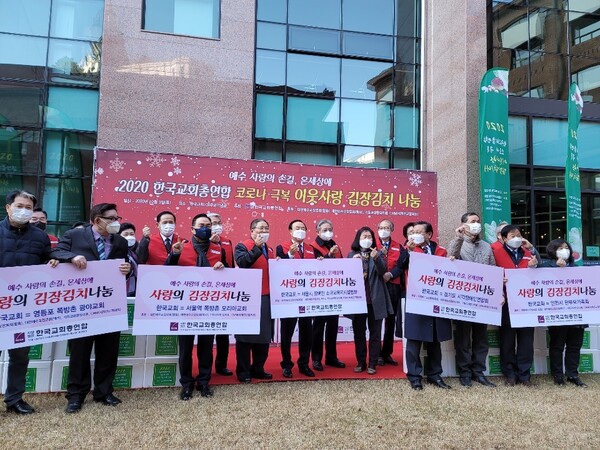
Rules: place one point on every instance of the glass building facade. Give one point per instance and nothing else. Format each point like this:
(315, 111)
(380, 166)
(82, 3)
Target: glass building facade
(50, 52)
(337, 82)
(547, 45)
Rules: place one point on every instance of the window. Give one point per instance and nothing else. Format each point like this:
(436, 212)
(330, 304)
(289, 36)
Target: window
(188, 17)
(72, 109)
(25, 17)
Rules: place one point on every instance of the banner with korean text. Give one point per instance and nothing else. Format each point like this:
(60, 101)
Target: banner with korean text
(196, 300)
(39, 304)
(458, 290)
(143, 184)
(493, 151)
(572, 178)
(549, 297)
(312, 287)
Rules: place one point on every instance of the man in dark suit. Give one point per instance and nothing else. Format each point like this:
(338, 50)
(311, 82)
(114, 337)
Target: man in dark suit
(97, 242)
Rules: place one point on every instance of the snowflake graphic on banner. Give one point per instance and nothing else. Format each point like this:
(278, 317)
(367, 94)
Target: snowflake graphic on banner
(177, 171)
(155, 159)
(227, 227)
(175, 161)
(415, 179)
(99, 171)
(117, 164)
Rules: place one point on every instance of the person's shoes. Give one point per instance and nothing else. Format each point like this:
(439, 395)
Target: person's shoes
(205, 390)
(416, 385)
(510, 381)
(21, 407)
(438, 382)
(109, 400)
(380, 361)
(262, 375)
(526, 383)
(559, 381)
(224, 371)
(245, 380)
(74, 406)
(577, 382)
(318, 366)
(306, 371)
(360, 368)
(187, 392)
(466, 381)
(481, 379)
(335, 363)
(391, 361)
(287, 373)
(371, 370)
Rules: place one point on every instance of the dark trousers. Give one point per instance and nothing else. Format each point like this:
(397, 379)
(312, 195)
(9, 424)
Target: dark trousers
(222, 351)
(359, 325)
(18, 360)
(565, 342)
(106, 347)
(433, 363)
(328, 326)
(390, 321)
(288, 325)
(204, 352)
(515, 363)
(248, 366)
(470, 342)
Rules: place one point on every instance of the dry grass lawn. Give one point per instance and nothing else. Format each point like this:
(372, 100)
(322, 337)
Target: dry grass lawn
(357, 414)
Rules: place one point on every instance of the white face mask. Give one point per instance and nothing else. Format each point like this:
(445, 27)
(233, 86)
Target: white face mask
(475, 228)
(299, 234)
(167, 229)
(416, 238)
(113, 227)
(384, 234)
(21, 215)
(366, 243)
(514, 242)
(265, 237)
(563, 253)
(130, 240)
(326, 235)
(217, 229)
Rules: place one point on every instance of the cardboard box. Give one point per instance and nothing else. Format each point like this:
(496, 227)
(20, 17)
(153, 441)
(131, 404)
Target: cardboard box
(61, 350)
(131, 346)
(493, 336)
(130, 373)
(161, 346)
(37, 378)
(130, 311)
(161, 372)
(41, 352)
(589, 361)
(60, 374)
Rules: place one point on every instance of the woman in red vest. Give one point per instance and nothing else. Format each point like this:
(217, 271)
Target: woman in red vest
(515, 362)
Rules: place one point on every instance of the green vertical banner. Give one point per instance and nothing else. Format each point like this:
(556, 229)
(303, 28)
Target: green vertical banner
(493, 151)
(572, 183)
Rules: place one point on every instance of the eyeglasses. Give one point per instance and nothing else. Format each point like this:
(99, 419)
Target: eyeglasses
(385, 228)
(261, 229)
(112, 218)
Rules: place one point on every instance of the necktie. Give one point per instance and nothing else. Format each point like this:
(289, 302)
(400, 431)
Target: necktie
(427, 250)
(100, 246)
(301, 251)
(168, 245)
(264, 250)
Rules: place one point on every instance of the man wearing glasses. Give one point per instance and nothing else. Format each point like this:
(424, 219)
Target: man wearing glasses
(78, 246)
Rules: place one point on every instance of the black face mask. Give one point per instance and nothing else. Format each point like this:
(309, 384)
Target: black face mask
(40, 225)
(203, 233)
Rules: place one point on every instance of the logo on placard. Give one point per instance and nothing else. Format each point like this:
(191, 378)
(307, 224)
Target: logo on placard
(302, 309)
(436, 309)
(19, 338)
(541, 319)
(174, 326)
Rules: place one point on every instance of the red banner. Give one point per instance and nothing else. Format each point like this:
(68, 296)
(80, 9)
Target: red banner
(143, 184)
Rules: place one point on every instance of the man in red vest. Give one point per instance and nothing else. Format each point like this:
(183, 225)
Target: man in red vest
(325, 247)
(154, 248)
(424, 330)
(395, 286)
(515, 363)
(254, 253)
(201, 253)
(295, 249)
(226, 245)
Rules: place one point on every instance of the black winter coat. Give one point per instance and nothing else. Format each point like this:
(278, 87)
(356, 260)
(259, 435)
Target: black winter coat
(26, 246)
